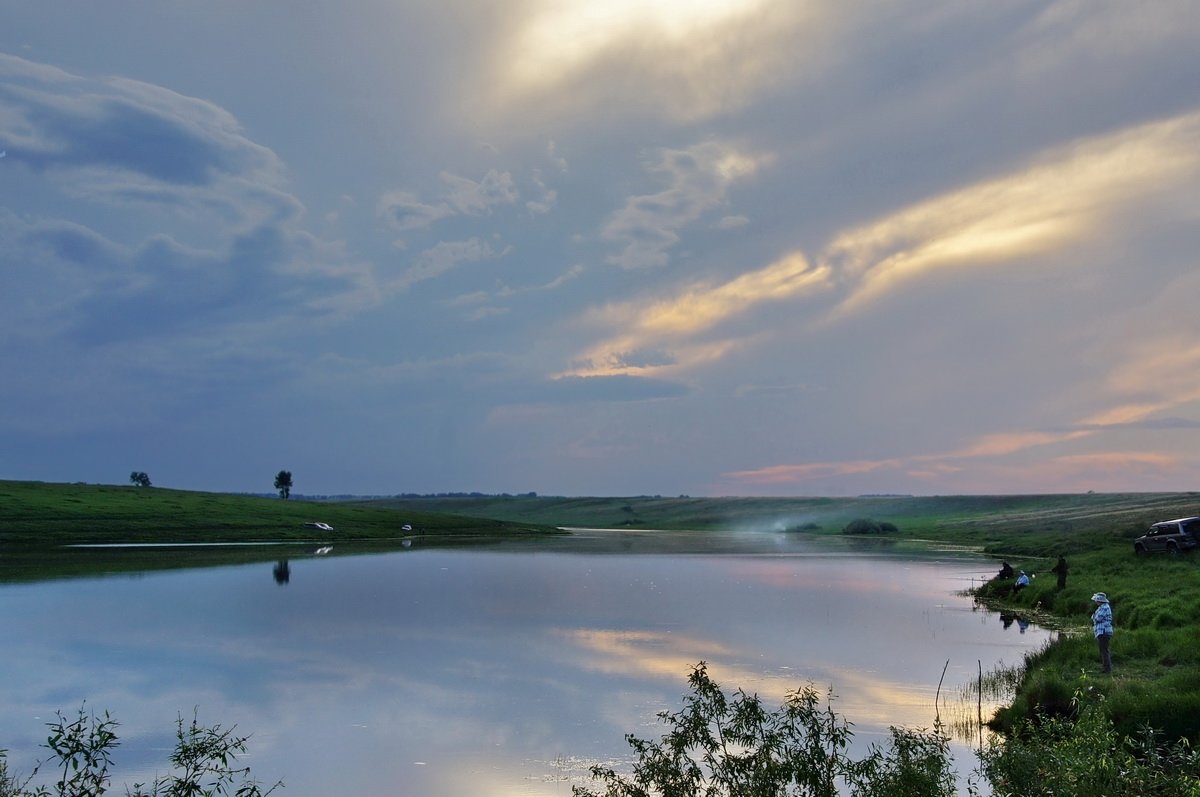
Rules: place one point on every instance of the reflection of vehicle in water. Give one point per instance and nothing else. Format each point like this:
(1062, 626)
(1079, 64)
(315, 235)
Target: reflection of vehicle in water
(1172, 536)
(318, 525)
(324, 549)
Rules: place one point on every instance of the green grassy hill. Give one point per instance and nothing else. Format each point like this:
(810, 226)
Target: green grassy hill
(37, 513)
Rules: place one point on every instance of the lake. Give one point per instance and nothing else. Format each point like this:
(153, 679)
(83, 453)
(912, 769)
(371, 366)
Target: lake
(493, 670)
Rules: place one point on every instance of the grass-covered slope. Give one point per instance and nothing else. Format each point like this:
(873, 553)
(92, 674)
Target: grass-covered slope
(1042, 524)
(37, 513)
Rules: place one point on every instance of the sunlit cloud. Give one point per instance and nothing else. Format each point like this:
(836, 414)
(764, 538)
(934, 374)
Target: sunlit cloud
(1123, 414)
(1166, 367)
(643, 653)
(869, 697)
(1059, 200)
(919, 465)
(986, 461)
(662, 335)
(1106, 471)
(1063, 197)
(1120, 461)
(784, 474)
(686, 59)
(996, 445)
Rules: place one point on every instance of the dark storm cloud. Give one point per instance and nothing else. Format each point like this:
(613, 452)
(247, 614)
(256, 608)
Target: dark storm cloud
(129, 143)
(61, 121)
(162, 288)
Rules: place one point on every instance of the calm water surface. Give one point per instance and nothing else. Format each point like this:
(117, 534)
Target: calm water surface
(491, 671)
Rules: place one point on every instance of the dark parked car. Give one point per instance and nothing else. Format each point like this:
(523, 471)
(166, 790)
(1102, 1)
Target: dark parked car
(1172, 536)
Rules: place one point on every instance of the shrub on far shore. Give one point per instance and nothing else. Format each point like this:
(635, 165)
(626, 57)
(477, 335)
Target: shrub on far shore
(868, 526)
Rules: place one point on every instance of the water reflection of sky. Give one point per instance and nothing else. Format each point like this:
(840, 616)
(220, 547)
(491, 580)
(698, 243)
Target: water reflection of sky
(487, 672)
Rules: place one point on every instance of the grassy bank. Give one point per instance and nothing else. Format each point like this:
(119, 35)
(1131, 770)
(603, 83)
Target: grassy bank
(45, 514)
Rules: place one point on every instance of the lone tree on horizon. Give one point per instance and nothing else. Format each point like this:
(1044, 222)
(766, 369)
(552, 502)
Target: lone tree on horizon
(283, 483)
(139, 478)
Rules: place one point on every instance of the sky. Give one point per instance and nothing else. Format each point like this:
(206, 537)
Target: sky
(602, 247)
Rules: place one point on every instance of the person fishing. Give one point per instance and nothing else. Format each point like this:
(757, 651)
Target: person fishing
(1021, 583)
(1102, 627)
(1060, 570)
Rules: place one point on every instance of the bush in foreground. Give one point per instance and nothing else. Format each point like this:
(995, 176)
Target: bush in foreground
(721, 746)
(81, 753)
(1088, 757)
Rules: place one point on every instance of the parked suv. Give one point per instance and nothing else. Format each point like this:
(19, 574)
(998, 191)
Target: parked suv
(1172, 536)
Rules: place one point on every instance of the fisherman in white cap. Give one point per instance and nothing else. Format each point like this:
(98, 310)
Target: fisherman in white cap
(1102, 627)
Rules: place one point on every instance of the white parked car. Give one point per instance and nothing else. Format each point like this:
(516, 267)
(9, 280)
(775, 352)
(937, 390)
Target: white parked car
(318, 525)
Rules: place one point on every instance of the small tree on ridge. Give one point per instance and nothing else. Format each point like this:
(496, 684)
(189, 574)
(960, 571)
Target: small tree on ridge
(283, 483)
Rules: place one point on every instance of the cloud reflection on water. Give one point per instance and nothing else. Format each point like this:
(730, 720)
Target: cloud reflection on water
(435, 672)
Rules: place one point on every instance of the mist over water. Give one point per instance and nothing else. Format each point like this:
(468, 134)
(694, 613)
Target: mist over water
(495, 670)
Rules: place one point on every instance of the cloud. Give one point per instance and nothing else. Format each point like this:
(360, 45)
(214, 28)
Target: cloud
(786, 390)
(404, 210)
(112, 151)
(697, 181)
(545, 202)
(1162, 368)
(790, 474)
(571, 274)
(441, 258)
(1061, 199)
(162, 288)
(668, 334)
(77, 129)
(476, 198)
(993, 454)
(480, 300)
(620, 387)
(680, 60)
(558, 161)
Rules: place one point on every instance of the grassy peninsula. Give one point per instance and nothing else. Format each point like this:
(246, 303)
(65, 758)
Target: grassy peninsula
(37, 513)
(41, 525)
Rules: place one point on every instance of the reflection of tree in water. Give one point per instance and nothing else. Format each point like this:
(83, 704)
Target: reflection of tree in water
(282, 572)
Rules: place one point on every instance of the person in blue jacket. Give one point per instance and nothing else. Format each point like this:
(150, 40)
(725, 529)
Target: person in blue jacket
(1021, 583)
(1102, 627)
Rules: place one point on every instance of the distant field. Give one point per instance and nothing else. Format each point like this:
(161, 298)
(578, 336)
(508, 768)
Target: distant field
(37, 513)
(1042, 524)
